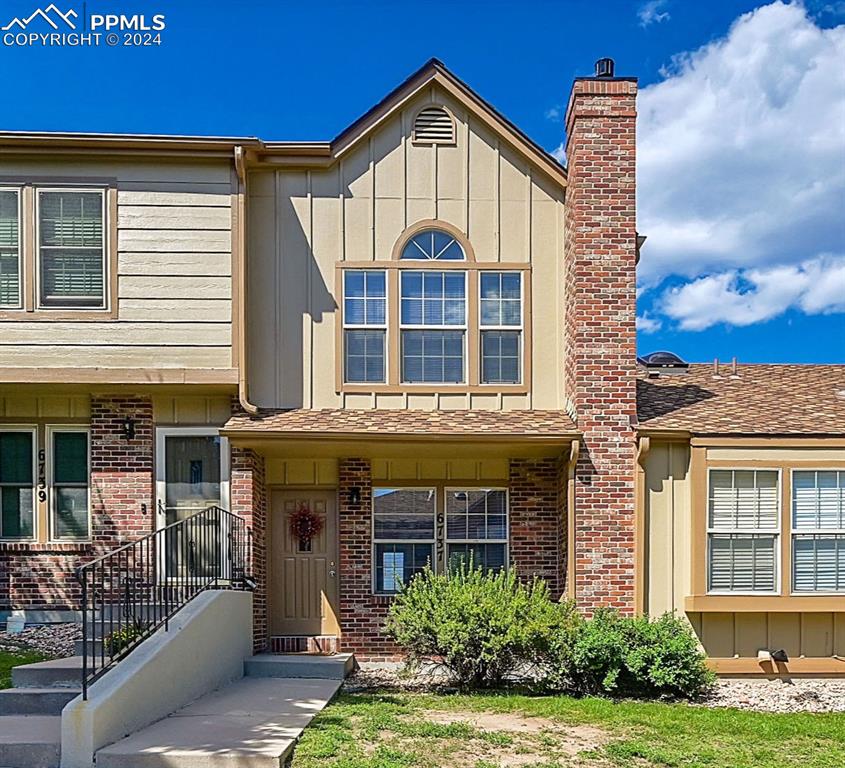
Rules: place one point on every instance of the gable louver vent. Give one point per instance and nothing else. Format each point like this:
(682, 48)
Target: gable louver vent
(434, 126)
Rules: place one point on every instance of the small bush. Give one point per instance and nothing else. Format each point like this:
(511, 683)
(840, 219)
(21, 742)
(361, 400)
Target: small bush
(638, 657)
(123, 637)
(481, 627)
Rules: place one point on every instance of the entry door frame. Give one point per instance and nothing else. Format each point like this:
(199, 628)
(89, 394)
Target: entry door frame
(276, 490)
(160, 512)
(162, 433)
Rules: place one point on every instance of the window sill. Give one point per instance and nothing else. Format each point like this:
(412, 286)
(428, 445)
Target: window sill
(426, 389)
(59, 313)
(62, 547)
(764, 603)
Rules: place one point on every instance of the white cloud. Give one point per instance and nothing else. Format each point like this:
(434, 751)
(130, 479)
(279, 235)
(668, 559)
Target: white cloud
(647, 324)
(559, 153)
(554, 113)
(751, 296)
(652, 12)
(740, 170)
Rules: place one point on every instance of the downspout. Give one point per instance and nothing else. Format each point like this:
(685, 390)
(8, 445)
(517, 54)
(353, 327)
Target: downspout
(574, 449)
(643, 447)
(243, 390)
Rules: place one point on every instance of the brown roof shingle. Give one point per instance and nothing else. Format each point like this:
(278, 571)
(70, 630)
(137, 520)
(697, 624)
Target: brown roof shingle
(760, 399)
(405, 422)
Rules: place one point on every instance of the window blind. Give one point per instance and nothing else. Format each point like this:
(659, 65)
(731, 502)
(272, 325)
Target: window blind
(743, 499)
(742, 563)
(743, 511)
(71, 240)
(818, 523)
(9, 249)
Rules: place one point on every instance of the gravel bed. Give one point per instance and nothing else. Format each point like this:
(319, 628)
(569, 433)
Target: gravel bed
(760, 695)
(54, 640)
(796, 695)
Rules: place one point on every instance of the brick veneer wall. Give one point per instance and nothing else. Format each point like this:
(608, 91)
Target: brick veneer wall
(41, 576)
(600, 337)
(362, 614)
(248, 494)
(536, 531)
(536, 537)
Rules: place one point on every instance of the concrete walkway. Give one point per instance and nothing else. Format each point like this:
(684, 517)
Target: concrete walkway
(253, 723)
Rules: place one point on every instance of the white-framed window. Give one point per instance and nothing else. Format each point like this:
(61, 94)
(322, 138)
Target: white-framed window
(404, 535)
(365, 326)
(500, 317)
(68, 478)
(18, 461)
(477, 527)
(818, 531)
(743, 531)
(433, 326)
(11, 292)
(71, 248)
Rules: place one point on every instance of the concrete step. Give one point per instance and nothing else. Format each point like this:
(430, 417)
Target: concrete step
(252, 723)
(64, 673)
(36, 701)
(94, 646)
(30, 741)
(336, 667)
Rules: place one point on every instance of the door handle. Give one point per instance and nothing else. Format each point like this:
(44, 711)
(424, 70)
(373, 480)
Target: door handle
(332, 573)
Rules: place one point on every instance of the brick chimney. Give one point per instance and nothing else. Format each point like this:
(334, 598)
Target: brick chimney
(600, 335)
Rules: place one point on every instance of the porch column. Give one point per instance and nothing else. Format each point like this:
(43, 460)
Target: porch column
(537, 536)
(248, 493)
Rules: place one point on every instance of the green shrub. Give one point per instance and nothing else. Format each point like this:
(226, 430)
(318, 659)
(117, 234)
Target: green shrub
(481, 627)
(638, 657)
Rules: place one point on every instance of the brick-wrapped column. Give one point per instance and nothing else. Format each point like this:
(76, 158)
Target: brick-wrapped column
(600, 337)
(248, 493)
(122, 491)
(536, 532)
(362, 614)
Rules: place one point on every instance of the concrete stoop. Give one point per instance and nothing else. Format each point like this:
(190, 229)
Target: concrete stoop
(252, 723)
(30, 713)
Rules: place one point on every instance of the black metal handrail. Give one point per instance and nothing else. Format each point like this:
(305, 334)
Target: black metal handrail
(128, 593)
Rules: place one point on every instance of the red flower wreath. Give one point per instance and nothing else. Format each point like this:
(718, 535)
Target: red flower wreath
(304, 524)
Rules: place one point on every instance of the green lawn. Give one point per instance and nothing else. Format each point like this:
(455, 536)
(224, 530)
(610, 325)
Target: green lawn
(9, 659)
(400, 730)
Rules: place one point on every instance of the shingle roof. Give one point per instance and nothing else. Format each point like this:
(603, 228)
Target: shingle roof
(760, 399)
(335, 422)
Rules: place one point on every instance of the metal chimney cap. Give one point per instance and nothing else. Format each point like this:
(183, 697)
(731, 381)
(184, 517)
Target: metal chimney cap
(605, 67)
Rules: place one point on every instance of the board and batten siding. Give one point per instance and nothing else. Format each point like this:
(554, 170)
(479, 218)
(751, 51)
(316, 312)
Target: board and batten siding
(303, 223)
(174, 271)
(668, 560)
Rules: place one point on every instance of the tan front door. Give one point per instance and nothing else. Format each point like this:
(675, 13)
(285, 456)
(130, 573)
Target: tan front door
(303, 577)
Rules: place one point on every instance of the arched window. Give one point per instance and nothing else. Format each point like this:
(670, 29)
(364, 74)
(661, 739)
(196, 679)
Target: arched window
(433, 244)
(433, 315)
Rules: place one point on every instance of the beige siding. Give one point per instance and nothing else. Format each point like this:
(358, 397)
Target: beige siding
(668, 559)
(303, 223)
(185, 410)
(667, 525)
(174, 271)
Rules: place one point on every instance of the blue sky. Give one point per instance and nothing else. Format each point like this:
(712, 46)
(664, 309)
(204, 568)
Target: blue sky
(742, 125)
